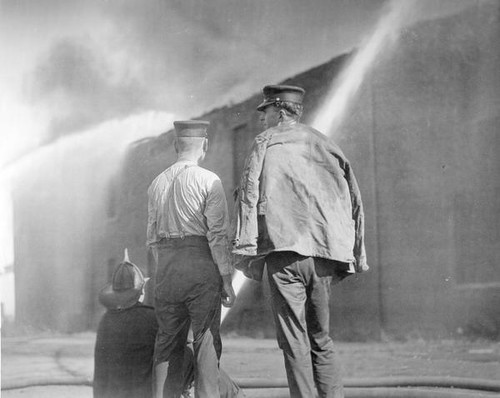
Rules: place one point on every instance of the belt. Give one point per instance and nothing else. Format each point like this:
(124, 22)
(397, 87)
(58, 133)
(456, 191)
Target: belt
(173, 236)
(179, 236)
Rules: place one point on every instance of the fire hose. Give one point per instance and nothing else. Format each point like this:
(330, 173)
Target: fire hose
(392, 387)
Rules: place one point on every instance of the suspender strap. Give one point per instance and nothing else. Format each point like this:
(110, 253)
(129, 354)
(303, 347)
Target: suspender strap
(170, 197)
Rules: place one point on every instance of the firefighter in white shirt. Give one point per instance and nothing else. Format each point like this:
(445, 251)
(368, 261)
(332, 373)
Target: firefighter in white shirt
(187, 229)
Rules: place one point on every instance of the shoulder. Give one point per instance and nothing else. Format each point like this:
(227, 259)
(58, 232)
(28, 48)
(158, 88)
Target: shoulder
(204, 174)
(265, 136)
(142, 309)
(203, 180)
(329, 144)
(145, 312)
(313, 133)
(259, 144)
(145, 308)
(159, 180)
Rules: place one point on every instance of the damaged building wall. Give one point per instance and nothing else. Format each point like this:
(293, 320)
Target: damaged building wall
(422, 137)
(423, 142)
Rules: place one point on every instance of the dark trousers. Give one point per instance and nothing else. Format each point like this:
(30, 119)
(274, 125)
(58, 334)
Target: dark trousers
(228, 388)
(188, 294)
(300, 291)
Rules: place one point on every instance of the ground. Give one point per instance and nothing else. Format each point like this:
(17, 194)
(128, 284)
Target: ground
(68, 359)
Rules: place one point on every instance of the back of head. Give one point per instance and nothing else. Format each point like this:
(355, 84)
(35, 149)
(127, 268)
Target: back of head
(189, 144)
(191, 135)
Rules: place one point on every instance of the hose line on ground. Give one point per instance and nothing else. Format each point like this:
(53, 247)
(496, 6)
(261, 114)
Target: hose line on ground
(358, 387)
(422, 381)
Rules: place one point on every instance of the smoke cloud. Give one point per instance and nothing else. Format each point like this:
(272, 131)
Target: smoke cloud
(75, 81)
(187, 57)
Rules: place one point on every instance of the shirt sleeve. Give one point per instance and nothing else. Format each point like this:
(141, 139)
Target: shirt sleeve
(217, 217)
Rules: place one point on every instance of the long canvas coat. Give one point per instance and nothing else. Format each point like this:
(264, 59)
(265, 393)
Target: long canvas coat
(297, 193)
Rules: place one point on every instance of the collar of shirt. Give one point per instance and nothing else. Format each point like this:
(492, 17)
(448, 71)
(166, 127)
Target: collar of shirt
(287, 123)
(186, 161)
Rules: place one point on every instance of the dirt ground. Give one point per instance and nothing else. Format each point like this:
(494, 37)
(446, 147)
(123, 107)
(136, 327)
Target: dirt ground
(68, 359)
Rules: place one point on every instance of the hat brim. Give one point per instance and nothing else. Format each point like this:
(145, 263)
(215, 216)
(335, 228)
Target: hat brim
(115, 300)
(265, 104)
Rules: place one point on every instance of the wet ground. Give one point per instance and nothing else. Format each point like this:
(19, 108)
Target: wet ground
(66, 363)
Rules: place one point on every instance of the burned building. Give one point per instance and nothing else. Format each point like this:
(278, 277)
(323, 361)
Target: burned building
(422, 137)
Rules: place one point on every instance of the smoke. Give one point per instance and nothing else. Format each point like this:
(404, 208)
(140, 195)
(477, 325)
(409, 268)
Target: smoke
(77, 84)
(112, 59)
(183, 57)
(151, 57)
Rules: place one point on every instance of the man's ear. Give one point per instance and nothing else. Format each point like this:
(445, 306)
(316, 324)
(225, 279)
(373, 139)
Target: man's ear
(282, 114)
(205, 145)
(176, 146)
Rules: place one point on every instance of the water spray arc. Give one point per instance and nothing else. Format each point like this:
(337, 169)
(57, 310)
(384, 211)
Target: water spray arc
(60, 191)
(330, 115)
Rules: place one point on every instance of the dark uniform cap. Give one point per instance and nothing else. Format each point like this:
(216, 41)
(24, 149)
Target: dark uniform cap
(191, 128)
(278, 93)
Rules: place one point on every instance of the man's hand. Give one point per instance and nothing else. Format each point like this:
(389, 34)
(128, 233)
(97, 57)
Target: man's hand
(228, 296)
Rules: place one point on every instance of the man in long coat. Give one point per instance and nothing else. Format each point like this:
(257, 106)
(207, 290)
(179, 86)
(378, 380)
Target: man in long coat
(299, 210)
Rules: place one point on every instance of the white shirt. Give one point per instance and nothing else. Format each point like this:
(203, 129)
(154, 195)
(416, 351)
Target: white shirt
(195, 204)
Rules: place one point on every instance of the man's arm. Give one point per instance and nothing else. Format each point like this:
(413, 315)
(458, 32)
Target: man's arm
(151, 228)
(217, 217)
(245, 230)
(359, 220)
(228, 295)
(357, 209)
